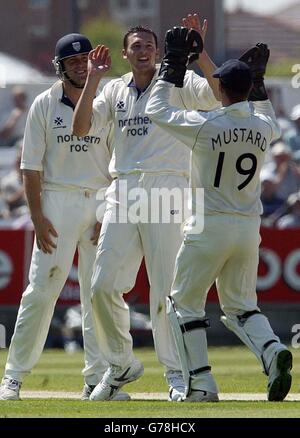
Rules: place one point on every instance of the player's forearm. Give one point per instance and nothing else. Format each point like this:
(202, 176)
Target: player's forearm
(183, 125)
(158, 103)
(82, 117)
(208, 67)
(265, 107)
(32, 187)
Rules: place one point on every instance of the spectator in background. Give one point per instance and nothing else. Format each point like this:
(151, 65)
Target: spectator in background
(296, 159)
(292, 218)
(283, 171)
(283, 121)
(3, 210)
(12, 191)
(270, 201)
(292, 136)
(14, 124)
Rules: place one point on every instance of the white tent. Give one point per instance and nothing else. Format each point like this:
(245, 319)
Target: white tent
(14, 71)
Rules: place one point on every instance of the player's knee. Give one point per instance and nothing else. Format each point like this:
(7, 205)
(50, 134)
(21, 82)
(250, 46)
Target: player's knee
(102, 284)
(38, 296)
(47, 284)
(242, 316)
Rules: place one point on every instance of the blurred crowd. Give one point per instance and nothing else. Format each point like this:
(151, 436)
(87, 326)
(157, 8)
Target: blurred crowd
(280, 176)
(13, 208)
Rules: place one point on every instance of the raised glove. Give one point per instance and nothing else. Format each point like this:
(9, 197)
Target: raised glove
(196, 46)
(181, 45)
(257, 58)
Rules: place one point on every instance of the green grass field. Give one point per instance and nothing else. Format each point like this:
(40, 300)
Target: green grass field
(236, 371)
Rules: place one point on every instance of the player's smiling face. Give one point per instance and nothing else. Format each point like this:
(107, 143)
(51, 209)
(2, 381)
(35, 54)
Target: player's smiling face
(76, 68)
(141, 51)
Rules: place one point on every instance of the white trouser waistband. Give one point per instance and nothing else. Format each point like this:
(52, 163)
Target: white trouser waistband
(87, 192)
(146, 173)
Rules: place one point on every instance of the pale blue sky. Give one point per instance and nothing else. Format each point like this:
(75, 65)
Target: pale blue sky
(260, 6)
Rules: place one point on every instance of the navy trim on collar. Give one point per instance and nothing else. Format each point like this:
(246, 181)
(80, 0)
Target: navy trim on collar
(65, 100)
(139, 91)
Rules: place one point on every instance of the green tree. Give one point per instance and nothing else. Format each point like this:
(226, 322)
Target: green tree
(282, 67)
(105, 31)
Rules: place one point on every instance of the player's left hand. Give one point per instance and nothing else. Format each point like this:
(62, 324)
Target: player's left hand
(257, 58)
(193, 22)
(180, 43)
(99, 61)
(96, 233)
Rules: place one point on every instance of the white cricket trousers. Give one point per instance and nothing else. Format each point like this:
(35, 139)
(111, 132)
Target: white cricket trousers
(73, 215)
(119, 254)
(226, 251)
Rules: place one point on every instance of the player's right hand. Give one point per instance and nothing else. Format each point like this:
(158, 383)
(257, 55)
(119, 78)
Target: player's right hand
(257, 59)
(99, 61)
(193, 22)
(45, 232)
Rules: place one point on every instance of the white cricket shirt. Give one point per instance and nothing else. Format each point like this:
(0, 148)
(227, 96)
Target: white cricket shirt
(228, 149)
(65, 159)
(139, 144)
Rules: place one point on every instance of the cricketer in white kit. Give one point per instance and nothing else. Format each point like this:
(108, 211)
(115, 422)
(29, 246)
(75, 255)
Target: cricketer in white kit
(68, 172)
(144, 157)
(228, 151)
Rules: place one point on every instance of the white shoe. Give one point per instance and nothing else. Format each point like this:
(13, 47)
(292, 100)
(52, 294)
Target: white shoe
(10, 389)
(197, 395)
(176, 385)
(114, 378)
(88, 389)
(280, 379)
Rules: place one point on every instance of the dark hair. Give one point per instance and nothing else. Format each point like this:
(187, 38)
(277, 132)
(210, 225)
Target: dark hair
(138, 29)
(235, 96)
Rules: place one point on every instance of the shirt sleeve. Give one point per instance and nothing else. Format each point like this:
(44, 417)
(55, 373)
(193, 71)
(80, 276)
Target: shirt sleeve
(197, 94)
(182, 124)
(34, 145)
(101, 115)
(265, 108)
(110, 137)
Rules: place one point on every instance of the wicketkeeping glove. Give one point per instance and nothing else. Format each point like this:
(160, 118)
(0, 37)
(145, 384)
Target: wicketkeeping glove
(257, 58)
(182, 46)
(196, 46)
